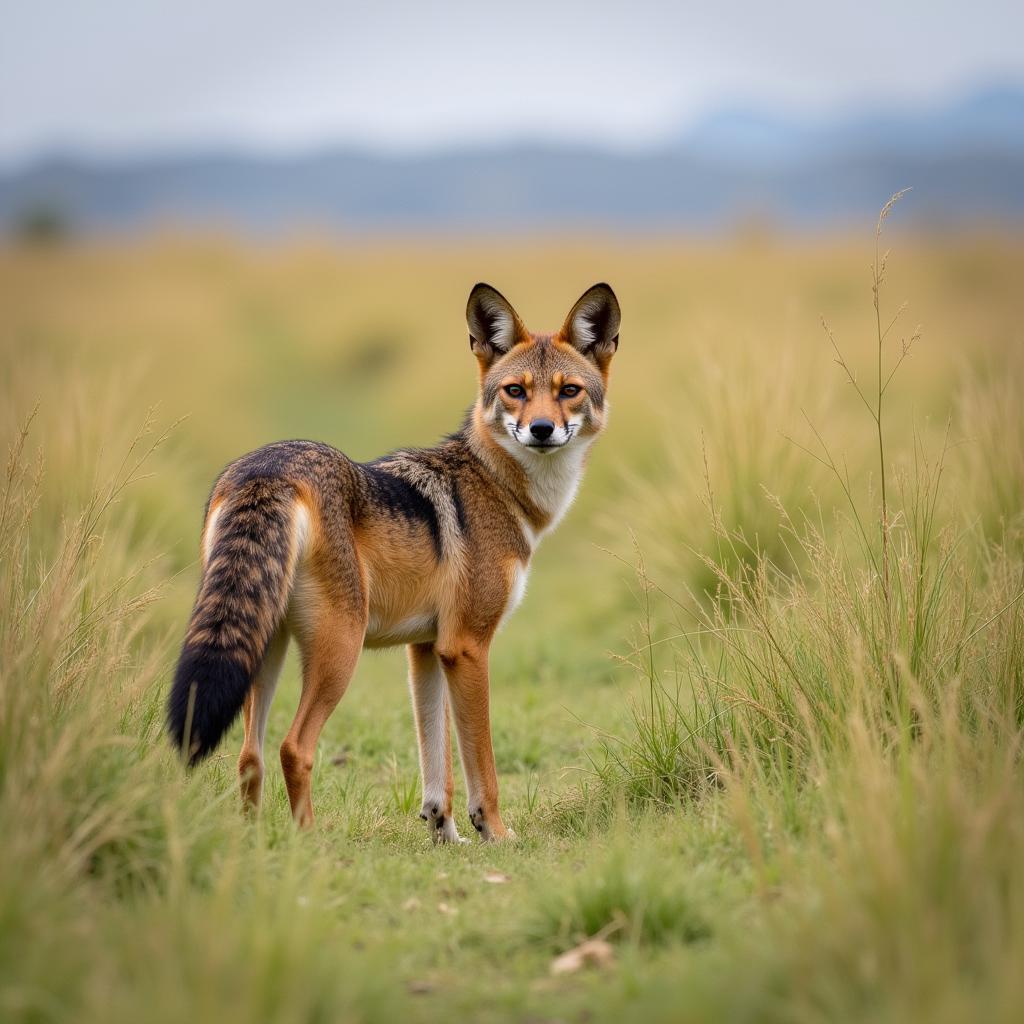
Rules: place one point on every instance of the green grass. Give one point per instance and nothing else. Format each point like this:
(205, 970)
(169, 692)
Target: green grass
(782, 780)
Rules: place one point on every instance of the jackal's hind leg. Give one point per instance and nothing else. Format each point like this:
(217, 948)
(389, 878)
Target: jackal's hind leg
(330, 650)
(255, 712)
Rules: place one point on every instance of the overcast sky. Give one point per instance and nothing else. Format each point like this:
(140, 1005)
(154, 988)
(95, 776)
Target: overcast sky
(130, 76)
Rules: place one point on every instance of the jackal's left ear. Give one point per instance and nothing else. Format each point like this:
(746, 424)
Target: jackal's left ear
(592, 326)
(494, 326)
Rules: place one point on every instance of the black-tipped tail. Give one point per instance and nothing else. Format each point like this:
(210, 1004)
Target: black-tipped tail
(241, 604)
(198, 723)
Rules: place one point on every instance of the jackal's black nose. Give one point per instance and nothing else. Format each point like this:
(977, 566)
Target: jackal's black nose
(542, 429)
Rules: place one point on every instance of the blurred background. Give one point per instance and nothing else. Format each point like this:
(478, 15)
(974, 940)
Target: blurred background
(651, 116)
(265, 219)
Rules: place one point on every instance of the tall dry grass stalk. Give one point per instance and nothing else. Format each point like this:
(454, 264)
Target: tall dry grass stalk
(75, 595)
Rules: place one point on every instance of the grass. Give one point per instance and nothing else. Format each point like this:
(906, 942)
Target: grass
(767, 744)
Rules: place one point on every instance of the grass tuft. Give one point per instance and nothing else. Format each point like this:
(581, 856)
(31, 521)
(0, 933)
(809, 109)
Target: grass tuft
(624, 896)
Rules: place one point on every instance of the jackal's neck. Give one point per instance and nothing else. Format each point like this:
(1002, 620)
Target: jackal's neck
(542, 486)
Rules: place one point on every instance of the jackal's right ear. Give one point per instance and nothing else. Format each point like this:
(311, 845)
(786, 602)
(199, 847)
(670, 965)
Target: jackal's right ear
(494, 326)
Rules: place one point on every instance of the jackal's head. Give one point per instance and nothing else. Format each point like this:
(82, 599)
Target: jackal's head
(541, 394)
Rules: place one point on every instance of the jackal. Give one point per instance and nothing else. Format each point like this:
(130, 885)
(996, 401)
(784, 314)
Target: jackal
(424, 547)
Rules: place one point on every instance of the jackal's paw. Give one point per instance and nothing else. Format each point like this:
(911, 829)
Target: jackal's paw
(490, 826)
(441, 823)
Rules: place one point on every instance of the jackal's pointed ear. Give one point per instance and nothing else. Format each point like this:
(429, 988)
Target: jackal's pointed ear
(592, 326)
(494, 326)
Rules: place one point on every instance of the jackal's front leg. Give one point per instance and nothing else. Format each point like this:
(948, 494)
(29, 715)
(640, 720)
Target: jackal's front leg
(430, 705)
(465, 667)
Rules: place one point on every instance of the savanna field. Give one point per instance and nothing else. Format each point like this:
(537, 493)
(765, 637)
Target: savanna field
(759, 734)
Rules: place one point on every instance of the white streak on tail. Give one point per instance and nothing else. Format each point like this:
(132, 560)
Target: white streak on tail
(210, 533)
(301, 529)
(304, 595)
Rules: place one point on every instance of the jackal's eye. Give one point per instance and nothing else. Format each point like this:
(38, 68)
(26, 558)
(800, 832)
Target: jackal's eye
(515, 390)
(569, 391)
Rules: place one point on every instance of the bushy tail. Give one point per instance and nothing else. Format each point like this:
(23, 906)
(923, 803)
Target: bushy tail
(242, 601)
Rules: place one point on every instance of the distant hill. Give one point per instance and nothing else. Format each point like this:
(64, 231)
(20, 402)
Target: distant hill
(965, 160)
(989, 122)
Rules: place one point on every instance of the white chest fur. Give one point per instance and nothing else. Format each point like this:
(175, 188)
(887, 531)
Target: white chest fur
(554, 481)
